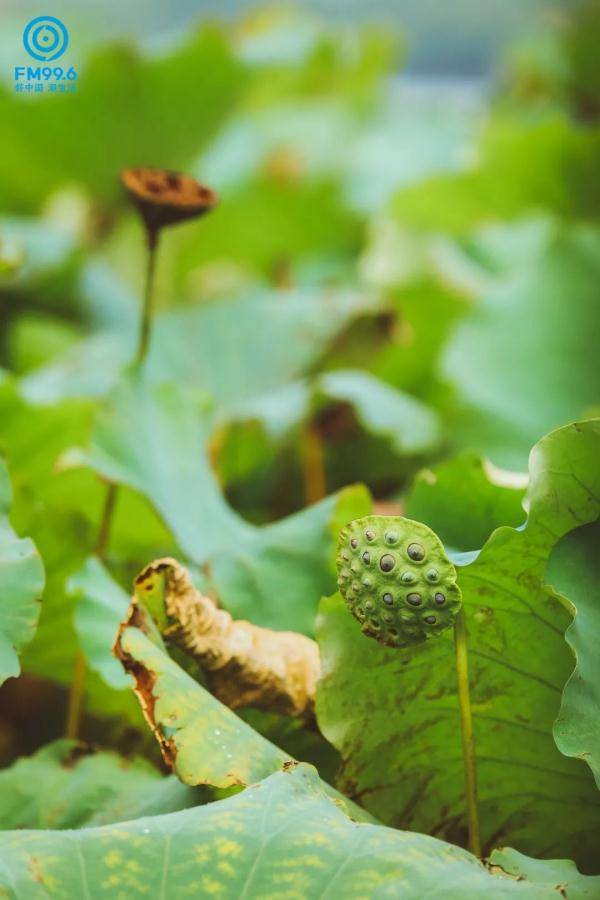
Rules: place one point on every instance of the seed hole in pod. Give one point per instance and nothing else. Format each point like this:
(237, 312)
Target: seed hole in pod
(387, 562)
(387, 617)
(406, 616)
(414, 599)
(360, 613)
(440, 599)
(367, 582)
(391, 538)
(430, 620)
(432, 575)
(369, 605)
(388, 599)
(375, 624)
(354, 543)
(416, 552)
(366, 558)
(356, 587)
(408, 578)
(355, 567)
(370, 534)
(345, 555)
(393, 632)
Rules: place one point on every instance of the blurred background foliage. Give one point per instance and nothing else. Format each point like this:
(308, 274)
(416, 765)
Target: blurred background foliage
(404, 265)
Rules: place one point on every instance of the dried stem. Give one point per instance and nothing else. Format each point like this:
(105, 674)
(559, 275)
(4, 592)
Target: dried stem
(76, 691)
(148, 311)
(466, 726)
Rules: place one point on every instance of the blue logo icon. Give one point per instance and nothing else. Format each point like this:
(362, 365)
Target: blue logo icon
(45, 38)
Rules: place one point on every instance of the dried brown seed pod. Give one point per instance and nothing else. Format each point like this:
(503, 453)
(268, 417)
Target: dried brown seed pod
(165, 198)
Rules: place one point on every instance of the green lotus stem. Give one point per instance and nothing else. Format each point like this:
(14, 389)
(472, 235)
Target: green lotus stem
(466, 727)
(400, 585)
(76, 691)
(313, 465)
(148, 311)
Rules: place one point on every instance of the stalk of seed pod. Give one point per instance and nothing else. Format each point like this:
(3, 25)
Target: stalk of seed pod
(162, 198)
(399, 584)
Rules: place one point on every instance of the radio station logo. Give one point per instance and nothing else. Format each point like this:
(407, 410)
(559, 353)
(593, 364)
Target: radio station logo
(46, 39)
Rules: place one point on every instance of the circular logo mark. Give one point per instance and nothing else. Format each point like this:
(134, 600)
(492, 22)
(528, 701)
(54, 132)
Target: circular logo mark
(45, 38)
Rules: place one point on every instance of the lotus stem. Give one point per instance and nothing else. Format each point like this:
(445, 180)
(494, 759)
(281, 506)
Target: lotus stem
(76, 691)
(313, 465)
(148, 311)
(466, 727)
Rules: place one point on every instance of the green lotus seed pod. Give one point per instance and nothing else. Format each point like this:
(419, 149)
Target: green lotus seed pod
(411, 583)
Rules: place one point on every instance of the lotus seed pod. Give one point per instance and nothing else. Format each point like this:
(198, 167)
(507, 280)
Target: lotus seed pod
(165, 198)
(410, 582)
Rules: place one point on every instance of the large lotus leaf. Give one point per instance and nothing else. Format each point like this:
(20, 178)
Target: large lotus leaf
(560, 875)
(180, 99)
(101, 606)
(235, 349)
(409, 426)
(546, 163)
(153, 440)
(265, 228)
(394, 715)
(64, 785)
(299, 57)
(203, 741)
(21, 586)
(425, 315)
(403, 141)
(574, 571)
(464, 499)
(62, 512)
(536, 327)
(282, 837)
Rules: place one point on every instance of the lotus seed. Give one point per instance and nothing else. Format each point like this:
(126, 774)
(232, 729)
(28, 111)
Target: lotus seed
(354, 543)
(432, 575)
(414, 599)
(391, 537)
(388, 599)
(387, 562)
(416, 552)
(440, 599)
(366, 558)
(367, 582)
(370, 535)
(408, 578)
(431, 620)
